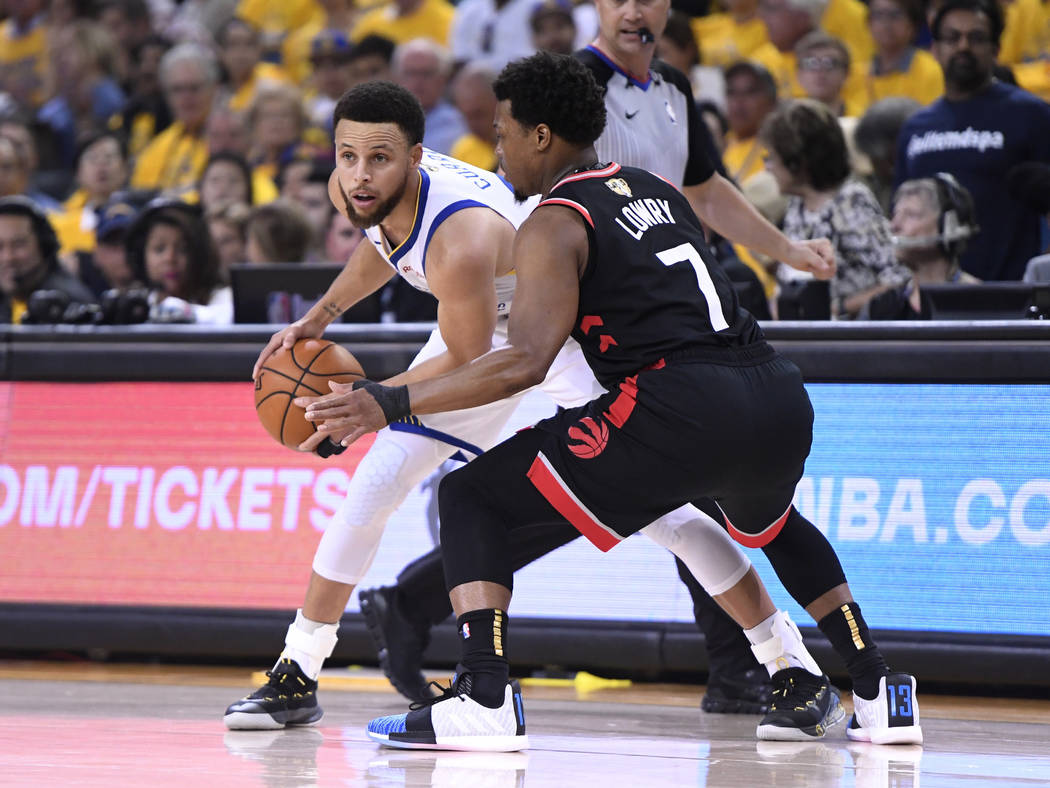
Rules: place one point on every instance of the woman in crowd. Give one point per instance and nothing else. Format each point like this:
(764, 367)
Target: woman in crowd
(807, 155)
(170, 248)
(226, 179)
(101, 169)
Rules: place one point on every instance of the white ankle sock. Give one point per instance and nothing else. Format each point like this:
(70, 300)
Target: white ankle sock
(309, 643)
(777, 644)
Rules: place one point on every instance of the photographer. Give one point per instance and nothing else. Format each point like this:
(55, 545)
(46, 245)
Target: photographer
(29, 265)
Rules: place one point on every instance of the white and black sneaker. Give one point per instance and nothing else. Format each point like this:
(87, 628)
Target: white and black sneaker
(455, 721)
(804, 706)
(287, 698)
(892, 717)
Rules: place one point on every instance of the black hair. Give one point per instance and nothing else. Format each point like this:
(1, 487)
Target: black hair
(373, 45)
(232, 22)
(203, 272)
(382, 102)
(760, 73)
(556, 90)
(239, 162)
(990, 8)
(809, 141)
(95, 136)
(47, 240)
(680, 32)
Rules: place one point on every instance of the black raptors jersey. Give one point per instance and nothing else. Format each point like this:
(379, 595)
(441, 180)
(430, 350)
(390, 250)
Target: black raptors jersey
(651, 289)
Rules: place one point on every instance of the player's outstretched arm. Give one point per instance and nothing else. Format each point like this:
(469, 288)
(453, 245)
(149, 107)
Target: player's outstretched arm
(364, 273)
(727, 211)
(550, 251)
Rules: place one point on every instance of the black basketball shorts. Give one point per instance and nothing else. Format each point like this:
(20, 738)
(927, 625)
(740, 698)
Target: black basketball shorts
(737, 431)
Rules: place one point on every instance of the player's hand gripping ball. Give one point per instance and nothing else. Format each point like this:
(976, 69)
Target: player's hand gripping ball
(301, 371)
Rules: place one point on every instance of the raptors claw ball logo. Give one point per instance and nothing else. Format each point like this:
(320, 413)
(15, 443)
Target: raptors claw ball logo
(591, 437)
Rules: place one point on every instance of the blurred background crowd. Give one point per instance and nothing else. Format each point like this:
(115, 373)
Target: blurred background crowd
(146, 146)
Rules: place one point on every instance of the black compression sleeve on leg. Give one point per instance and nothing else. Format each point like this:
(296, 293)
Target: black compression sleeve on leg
(804, 560)
(422, 582)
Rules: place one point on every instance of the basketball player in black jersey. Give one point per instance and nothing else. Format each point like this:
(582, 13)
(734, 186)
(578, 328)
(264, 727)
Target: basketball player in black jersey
(651, 123)
(698, 405)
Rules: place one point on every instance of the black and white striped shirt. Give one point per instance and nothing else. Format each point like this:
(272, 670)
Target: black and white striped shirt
(652, 125)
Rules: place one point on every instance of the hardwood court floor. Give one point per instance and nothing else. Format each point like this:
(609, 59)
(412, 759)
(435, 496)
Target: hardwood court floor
(92, 725)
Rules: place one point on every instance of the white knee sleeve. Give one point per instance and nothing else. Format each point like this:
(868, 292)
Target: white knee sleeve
(703, 545)
(392, 468)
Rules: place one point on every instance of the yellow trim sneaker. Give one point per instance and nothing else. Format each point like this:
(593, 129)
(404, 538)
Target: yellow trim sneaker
(455, 721)
(804, 706)
(892, 717)
(287, 698)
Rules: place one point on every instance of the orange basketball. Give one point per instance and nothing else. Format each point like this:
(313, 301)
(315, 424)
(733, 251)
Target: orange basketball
(302, 371)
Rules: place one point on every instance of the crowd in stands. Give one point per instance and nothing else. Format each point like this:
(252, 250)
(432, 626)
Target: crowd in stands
(146, 146)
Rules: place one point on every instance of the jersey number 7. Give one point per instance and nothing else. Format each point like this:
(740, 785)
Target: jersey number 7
(687, 253)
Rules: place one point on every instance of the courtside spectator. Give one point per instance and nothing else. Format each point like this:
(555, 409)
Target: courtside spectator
(228, 229)
(823, 67)
(553, 27)
(170, 249)
(24, 55)
(101, 169)
(146, 112)
(472, 95)
(491, 33)
(278, 232)
(87, 94)
(175, 158)
(240, 50)
(898, 67)
(725, 38)
(370, 58)
(336, 17)
(932, 220)
(978, 131)
(875, 138)
(807, 154)
(29, 261)
(424, 68)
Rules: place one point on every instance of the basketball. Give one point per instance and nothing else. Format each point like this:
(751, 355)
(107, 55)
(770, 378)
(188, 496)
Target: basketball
(301, 371)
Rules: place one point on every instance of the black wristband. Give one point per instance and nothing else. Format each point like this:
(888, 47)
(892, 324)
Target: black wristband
(392, 399)
(328, 448)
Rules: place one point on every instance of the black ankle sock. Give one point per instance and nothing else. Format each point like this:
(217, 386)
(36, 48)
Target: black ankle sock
(484, 635)
(848, 633)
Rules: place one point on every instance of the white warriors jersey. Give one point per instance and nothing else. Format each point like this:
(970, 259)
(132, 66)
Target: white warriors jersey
(447, 185)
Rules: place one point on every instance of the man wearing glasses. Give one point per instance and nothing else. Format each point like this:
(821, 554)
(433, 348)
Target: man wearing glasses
(978, 130)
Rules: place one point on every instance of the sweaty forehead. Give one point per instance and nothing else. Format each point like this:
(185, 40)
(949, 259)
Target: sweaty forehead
(357, 135)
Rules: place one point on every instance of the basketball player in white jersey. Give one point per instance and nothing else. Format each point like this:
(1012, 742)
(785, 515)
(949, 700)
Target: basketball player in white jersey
(448, 227)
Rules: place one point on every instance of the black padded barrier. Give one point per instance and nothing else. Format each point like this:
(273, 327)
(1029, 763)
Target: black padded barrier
(920, 352)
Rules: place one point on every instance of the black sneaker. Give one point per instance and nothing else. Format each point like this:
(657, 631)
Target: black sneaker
(399, 641)
(804, 707)
(748, 693)
(288, 698)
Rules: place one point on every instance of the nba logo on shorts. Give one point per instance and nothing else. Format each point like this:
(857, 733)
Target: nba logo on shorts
(466, 631)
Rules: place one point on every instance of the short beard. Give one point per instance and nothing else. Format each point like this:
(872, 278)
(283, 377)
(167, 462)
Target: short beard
(520, 196)
(381, 210)
(964, 72)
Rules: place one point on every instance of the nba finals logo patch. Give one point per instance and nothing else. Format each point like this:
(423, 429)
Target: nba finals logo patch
(465, 631)
(619, 186)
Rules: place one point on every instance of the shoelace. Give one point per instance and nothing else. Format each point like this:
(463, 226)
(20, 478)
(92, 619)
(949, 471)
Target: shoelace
(797, 691)
(274, 686)
(460, 688)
